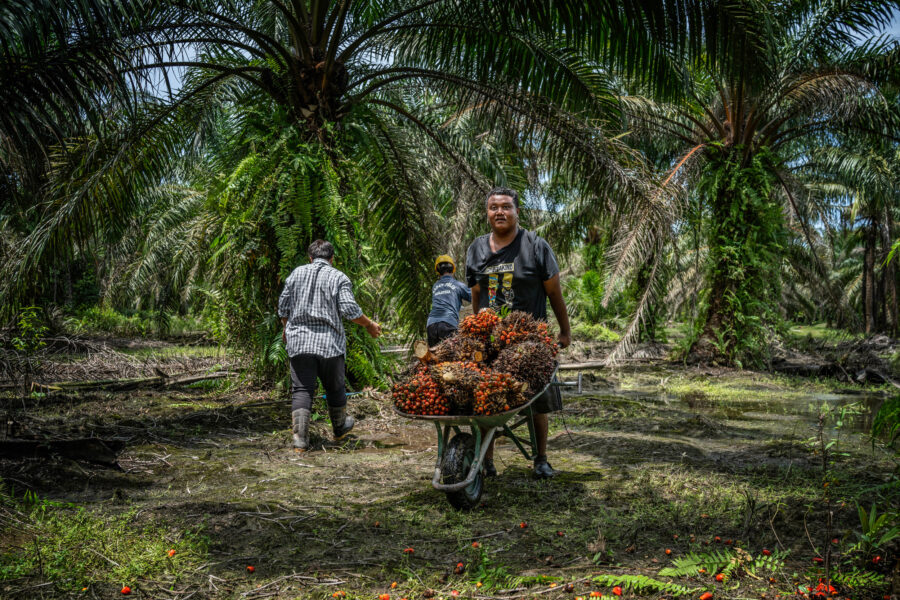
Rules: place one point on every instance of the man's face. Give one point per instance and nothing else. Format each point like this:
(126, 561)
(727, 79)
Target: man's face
(503, 216)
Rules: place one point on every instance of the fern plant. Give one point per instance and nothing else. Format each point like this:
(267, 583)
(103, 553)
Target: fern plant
(641, 584)
(729, 563)
(692, 563)
(855, 579)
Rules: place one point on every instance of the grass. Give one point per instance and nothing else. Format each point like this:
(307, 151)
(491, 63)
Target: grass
(820, 332)
(593, 332)
(74, 547)
(646, 454)
(98, 320)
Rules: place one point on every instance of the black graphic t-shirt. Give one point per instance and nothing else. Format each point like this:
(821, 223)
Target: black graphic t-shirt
(514, 276)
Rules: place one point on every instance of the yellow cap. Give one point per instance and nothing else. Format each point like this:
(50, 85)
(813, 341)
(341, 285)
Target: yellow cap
(444, 258)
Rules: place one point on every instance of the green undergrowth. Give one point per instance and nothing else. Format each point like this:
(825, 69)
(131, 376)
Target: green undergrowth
(74, 547)
(820, 332)
(177, 351)
(97, 320)
(743, 385)
(593, 332)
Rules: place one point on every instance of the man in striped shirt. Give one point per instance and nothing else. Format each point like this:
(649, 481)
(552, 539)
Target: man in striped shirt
(314, 300)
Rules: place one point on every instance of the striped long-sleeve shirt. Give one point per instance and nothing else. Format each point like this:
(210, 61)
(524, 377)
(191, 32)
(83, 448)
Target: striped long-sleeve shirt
(315, 298)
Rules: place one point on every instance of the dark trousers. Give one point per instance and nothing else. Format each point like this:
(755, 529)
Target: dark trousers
(305, 369)
(437, 332)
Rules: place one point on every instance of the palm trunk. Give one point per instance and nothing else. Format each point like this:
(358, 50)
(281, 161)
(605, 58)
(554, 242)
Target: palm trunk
(744, 239)
(890, 276)
(869, 280)
(708, 347)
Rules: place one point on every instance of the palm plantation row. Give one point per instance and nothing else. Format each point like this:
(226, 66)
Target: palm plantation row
(732, 164)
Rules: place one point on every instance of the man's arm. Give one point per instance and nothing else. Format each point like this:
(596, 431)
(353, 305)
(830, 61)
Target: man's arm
(558, 304)
(466, 295)
(284, 308)
(351, 311)
(371, 326)
(476, 296)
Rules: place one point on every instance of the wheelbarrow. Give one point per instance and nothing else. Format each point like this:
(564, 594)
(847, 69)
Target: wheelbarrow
(458, 471)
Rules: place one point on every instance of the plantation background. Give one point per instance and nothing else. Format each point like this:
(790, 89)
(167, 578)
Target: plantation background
(719, 179)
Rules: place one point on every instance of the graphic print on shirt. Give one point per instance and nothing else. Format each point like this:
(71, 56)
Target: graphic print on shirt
(494, 273)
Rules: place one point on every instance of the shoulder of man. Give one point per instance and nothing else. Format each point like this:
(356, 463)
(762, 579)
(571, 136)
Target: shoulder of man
(298, 270)
(481, 240)
(534, 239)
(340, 275)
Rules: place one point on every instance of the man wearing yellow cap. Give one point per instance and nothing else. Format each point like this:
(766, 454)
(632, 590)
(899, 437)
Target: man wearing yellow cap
(447, 295)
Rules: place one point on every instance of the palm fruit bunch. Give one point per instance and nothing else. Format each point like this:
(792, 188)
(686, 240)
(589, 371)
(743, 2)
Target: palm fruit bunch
(518, 327)
(459, 348)
(529, 361)
(457, 381)
(485, 369)
(480, 326)
(498, 392)
(420, 395)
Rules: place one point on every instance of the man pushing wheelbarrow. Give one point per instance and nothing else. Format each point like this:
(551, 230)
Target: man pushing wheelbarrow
(496, 374)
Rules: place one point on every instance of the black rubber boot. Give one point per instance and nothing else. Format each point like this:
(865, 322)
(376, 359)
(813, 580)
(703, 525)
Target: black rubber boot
(341, 423)
(300, 427)
(489, 469)
(542, 469)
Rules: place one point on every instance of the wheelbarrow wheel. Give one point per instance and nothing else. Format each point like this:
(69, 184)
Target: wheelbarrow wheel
(458, 459)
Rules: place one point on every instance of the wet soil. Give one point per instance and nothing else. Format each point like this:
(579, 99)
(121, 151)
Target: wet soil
(645, 454)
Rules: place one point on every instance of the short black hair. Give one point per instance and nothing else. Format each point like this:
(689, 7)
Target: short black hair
(502, 191)
(444, 268)
(320, 249)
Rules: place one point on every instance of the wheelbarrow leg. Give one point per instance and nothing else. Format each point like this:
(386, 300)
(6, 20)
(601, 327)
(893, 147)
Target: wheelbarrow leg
(442, 437)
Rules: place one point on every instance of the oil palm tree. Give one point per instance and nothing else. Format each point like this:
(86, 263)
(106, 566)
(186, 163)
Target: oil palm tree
(860, 177)
(368, 87)
(798, 76)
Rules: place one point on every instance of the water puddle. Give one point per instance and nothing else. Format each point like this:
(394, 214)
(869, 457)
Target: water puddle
(854, 410)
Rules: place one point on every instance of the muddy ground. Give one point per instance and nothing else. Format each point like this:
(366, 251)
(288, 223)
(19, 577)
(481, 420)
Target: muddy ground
(652, 457)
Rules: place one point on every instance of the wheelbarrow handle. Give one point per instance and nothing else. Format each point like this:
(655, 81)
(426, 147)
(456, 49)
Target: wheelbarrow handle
(575, 384)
